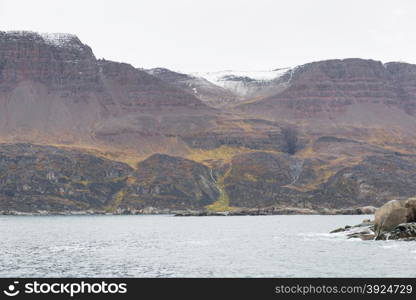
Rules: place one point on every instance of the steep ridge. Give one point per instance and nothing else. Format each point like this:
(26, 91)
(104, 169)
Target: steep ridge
(353, 92)
(45, 82)
(53, 90)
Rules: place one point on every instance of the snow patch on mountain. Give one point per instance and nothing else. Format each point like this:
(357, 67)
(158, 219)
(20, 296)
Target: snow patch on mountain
(218, 77)
(58, 39)
(61, 40)
(243, 83)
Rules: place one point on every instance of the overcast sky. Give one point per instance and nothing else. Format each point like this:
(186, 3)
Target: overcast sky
(209, 35)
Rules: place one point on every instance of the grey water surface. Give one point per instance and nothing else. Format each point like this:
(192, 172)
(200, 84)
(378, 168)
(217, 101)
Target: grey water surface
(167, 246)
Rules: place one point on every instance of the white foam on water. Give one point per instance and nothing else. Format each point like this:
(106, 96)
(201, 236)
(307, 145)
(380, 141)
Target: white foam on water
(65, 248)
(390, 246)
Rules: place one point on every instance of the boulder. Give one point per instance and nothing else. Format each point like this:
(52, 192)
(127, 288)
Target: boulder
(394, 213)
(368, 210)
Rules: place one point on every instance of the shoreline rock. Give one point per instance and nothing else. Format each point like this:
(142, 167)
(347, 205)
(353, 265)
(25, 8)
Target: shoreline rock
(201, 213)
(395, 220)
(404, 231)
(280, 211)
(364, 230)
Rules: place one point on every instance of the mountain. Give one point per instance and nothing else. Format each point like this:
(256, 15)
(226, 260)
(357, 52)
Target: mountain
(79, 133)
(54, 91)
(353, 92)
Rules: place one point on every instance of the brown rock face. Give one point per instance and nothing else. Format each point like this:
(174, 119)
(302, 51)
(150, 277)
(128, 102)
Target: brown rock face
(47, 84)
(53, 90)
(59, 61)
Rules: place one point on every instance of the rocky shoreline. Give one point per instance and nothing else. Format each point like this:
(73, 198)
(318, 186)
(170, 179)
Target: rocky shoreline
(366, 231)
(281, 211)
(199, 213)
(395, 220)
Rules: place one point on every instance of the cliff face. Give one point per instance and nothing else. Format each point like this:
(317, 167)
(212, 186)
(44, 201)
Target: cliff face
(36, 178)
(60, 61)
(374, 181)
(164, 181)
(53, 90)
(262, 179)
(45, 81)
(48, 178)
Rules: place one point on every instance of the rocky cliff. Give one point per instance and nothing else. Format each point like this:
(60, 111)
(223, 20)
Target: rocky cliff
(44, 178)
(164, 181)
(54, 91)
(48, 178)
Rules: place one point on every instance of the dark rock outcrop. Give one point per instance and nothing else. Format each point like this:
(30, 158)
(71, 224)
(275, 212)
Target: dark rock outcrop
(165, 181)
(44, 178)
(48, 178)
(261, 179)
(404, 231)
(374, 181)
